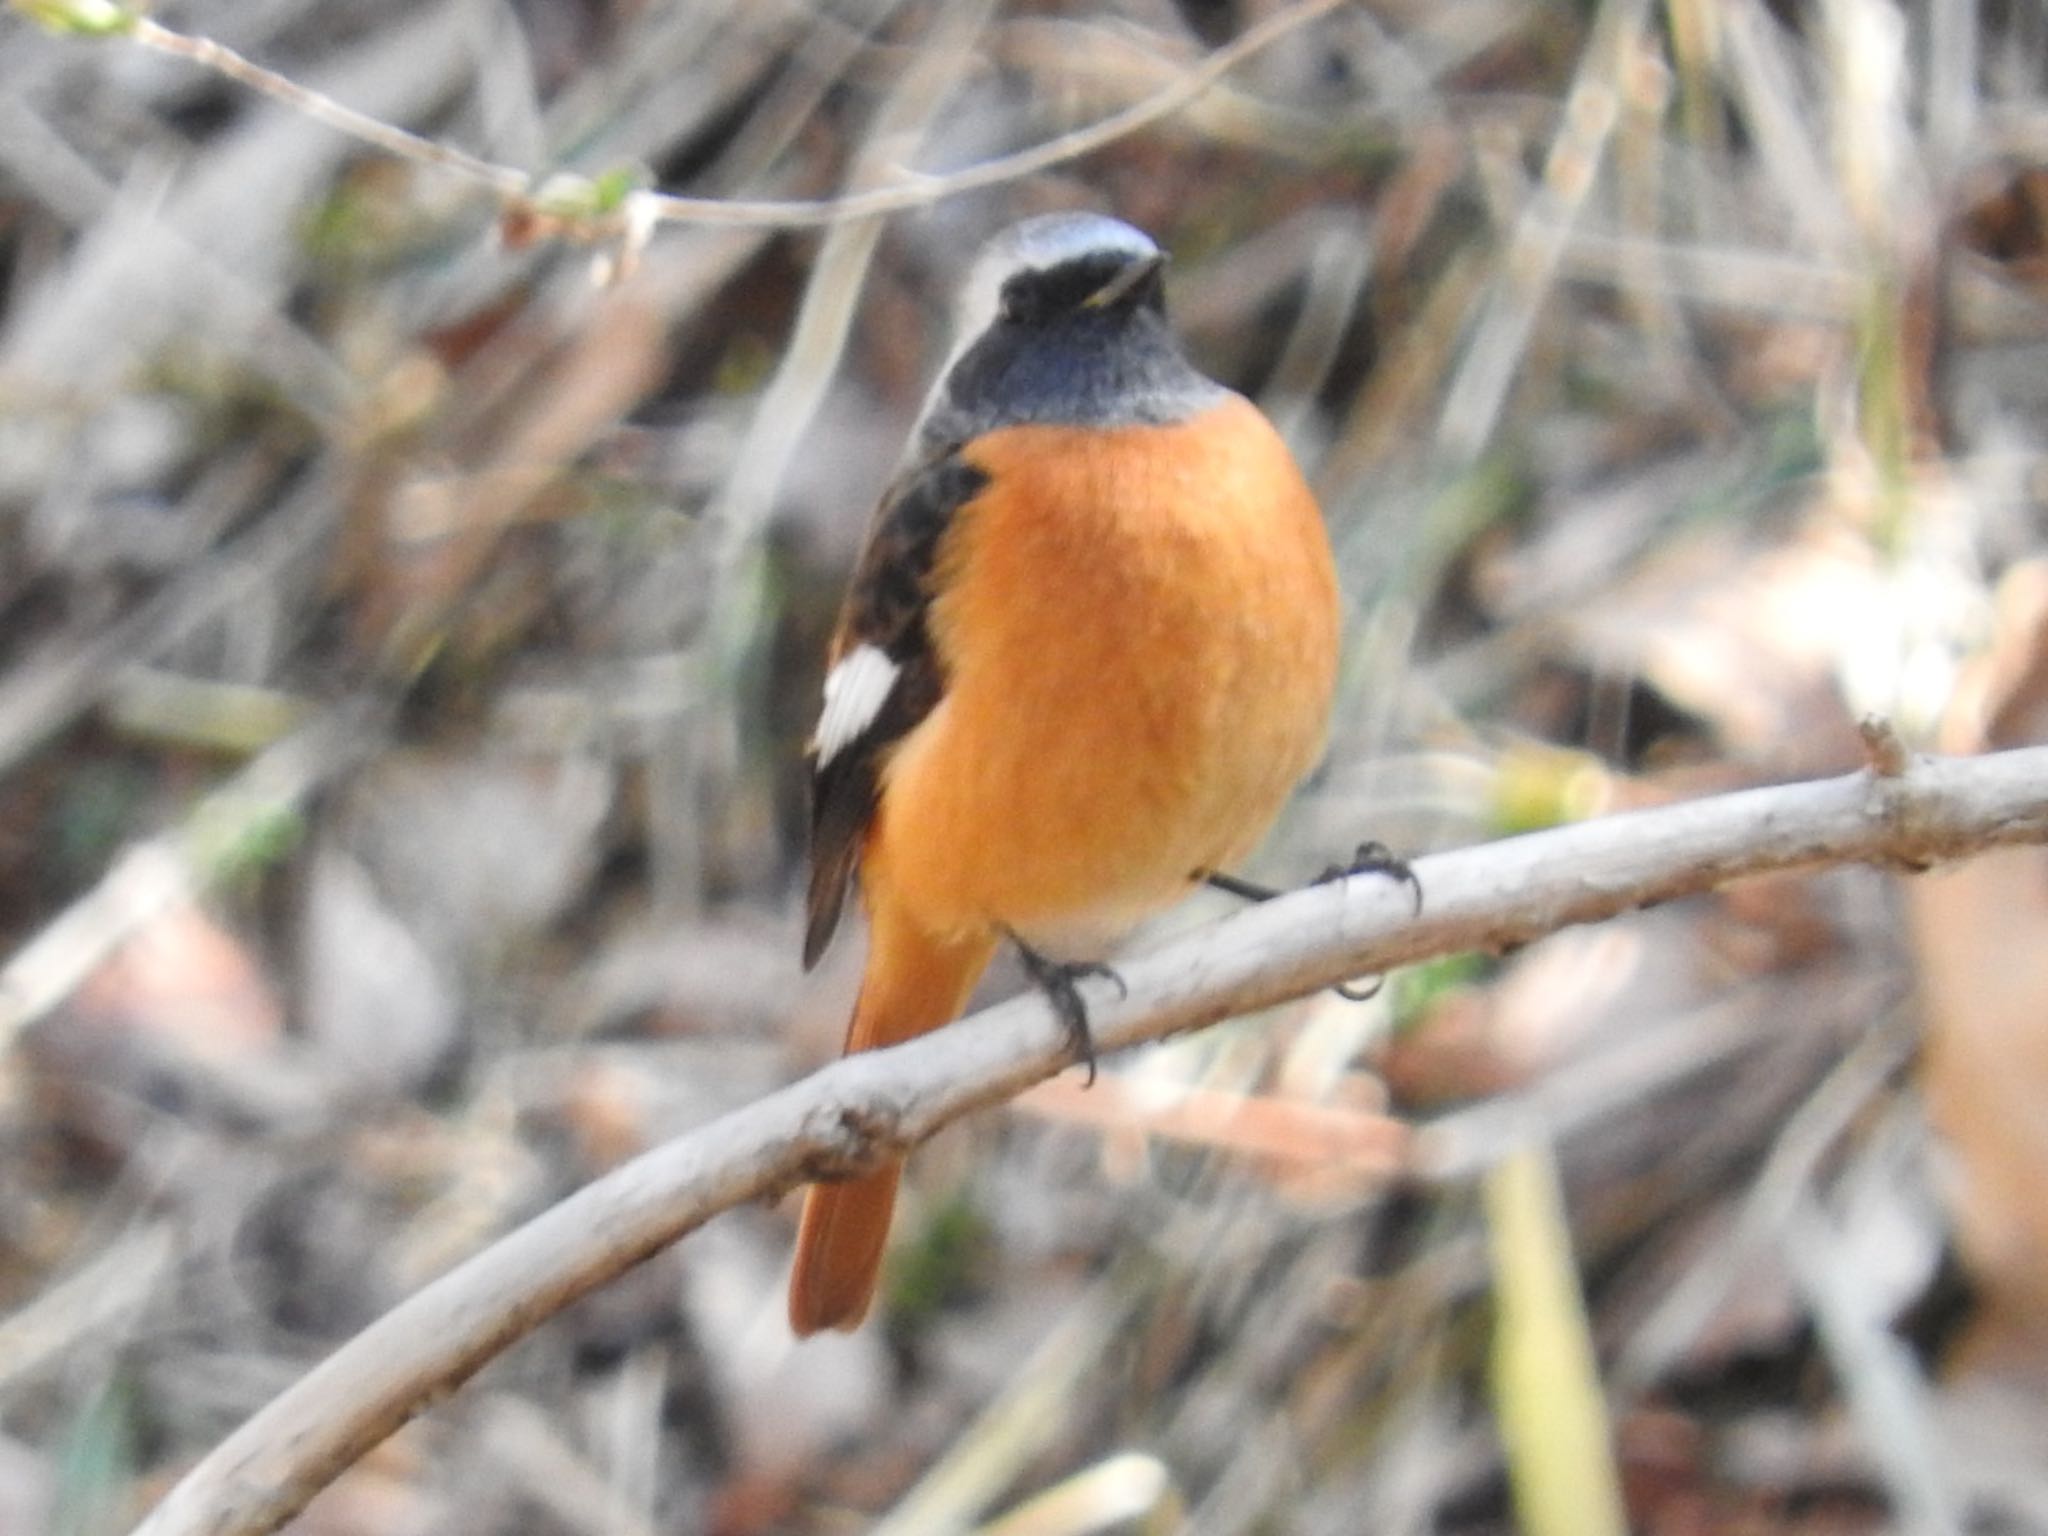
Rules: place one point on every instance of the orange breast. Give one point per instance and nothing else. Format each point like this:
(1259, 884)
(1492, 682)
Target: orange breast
(1139, 629)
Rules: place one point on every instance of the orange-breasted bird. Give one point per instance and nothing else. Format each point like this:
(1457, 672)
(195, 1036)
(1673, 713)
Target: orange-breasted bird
(1087, 652)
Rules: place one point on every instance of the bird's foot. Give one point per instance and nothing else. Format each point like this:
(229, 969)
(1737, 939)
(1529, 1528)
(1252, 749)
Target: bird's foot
(1369, 858)
(1060, 981)
(1376, 858)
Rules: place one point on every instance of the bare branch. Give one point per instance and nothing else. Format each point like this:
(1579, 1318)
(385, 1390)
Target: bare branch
(598, 215)
(921, 191)
(842, 1119)
(393, 140)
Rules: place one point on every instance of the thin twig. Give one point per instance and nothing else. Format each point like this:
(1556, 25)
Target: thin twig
(921, 191)
(845, 1118)
(914, 191)
(1473, 403)
(204, 51)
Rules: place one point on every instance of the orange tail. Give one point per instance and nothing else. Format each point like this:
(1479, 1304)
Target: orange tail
(914, 983)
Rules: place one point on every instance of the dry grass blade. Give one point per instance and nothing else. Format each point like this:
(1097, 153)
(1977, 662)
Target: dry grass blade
(1128, 1492)
(1031, 1412)
(1546, 1383)
(1473, 403)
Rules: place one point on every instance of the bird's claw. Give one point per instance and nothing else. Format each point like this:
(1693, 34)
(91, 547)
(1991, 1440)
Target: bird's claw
(1376, 858)
(1059, 981)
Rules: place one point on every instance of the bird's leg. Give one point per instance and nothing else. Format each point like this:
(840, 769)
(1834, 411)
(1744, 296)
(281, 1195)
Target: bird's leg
(1058, 980)
(1373, 858)
(1369, 858)
(1237, 885)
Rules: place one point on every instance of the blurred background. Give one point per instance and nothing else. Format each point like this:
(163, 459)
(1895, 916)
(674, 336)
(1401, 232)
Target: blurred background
(411, 613)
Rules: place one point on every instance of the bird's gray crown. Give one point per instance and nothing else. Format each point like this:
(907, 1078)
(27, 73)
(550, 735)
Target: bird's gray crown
(1062, 358)
(1039, 245)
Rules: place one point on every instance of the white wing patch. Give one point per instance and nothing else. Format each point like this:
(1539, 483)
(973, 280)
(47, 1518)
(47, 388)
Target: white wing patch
(855, 691)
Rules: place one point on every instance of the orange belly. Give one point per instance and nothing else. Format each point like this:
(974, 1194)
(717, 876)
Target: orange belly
(1139, 630)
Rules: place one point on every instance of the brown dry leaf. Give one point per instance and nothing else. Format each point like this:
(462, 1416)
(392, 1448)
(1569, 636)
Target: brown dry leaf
(1748, 639)
(2005, 220)
(187, 981)
(1557, 1000)
(604, 1109)
(383, 1495)
(1297, 1140)
(1977, 930)
(1450, 1055)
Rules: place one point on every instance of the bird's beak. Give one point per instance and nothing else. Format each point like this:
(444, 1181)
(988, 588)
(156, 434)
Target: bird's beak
(1125, 281)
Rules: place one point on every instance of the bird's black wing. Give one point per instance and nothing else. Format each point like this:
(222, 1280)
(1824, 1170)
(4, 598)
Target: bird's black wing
(885, 611)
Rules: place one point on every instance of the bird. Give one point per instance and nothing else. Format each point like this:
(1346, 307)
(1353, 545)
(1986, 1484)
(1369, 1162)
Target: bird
(1087, 651)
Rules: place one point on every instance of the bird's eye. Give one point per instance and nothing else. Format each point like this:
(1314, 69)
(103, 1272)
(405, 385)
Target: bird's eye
(1011, 309)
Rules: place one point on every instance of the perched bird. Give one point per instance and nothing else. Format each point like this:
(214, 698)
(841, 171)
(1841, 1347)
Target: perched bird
(1088, 650)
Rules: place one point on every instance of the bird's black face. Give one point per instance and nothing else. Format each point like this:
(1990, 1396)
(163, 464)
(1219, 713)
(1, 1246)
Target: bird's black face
(1106, 283)
(1078, 336)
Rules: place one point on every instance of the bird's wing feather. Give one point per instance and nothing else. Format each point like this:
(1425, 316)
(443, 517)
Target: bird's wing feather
(885, 676)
